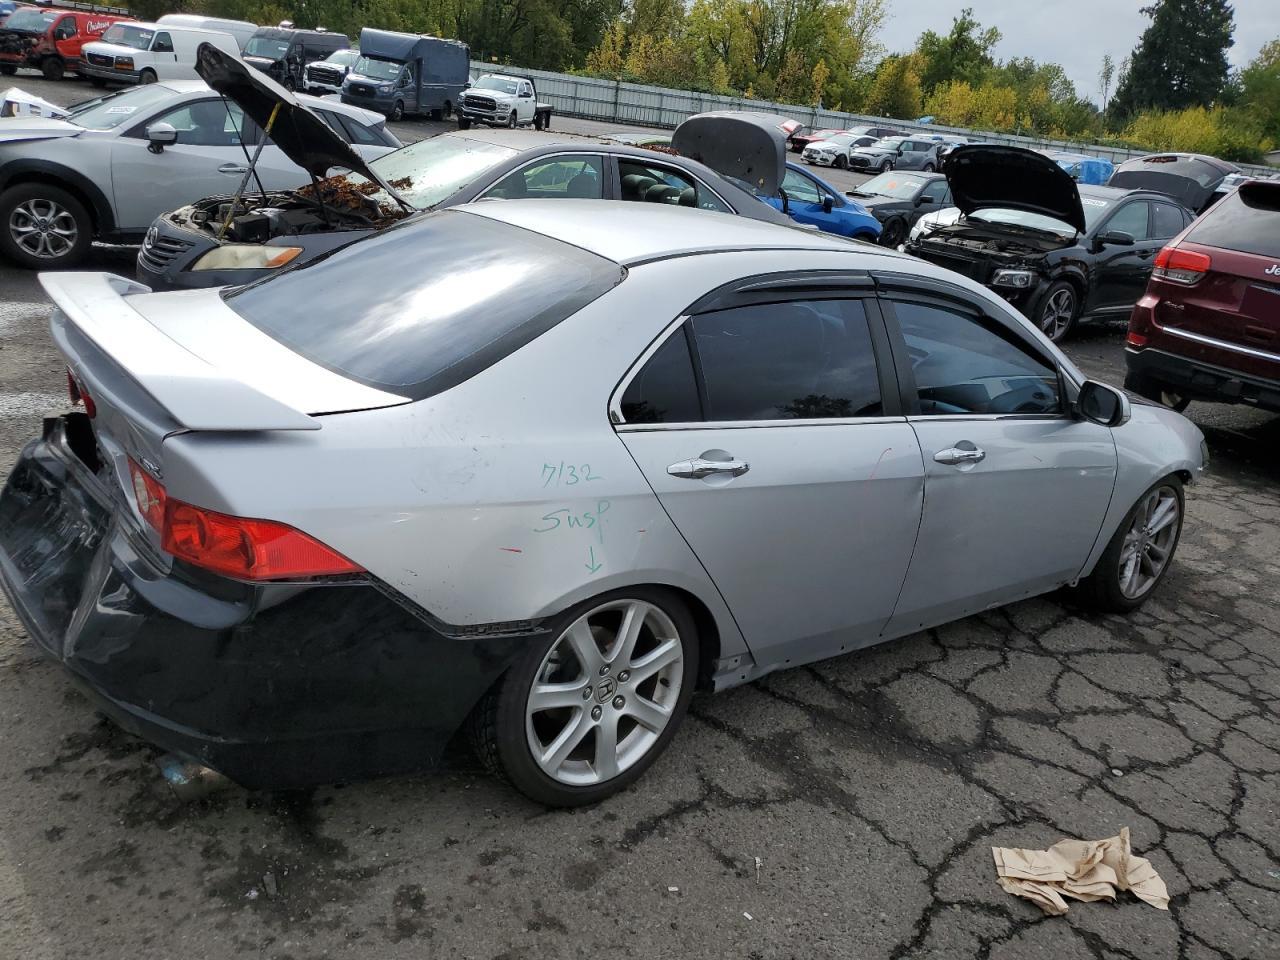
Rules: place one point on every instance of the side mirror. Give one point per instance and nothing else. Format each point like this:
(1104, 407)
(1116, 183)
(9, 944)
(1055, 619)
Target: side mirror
(923, 200)
(1103, 404)
(827, 204)
(1115, 238)
(161, 135)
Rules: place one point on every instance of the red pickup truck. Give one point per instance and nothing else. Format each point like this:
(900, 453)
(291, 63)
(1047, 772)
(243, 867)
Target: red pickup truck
(49, 39)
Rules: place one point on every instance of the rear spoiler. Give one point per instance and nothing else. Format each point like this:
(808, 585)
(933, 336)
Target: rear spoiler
(191, 390)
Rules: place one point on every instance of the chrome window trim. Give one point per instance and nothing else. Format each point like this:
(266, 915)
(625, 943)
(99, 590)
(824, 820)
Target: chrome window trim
(750, 424)
(1222, 344)
(956, 417)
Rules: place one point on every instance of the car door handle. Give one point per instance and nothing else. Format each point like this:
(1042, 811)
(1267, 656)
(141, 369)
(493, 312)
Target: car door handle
(235, 168)
(699, 469)
(963, 452)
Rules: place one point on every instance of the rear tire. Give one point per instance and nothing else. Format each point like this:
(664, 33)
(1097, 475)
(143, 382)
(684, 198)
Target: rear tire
(1112, 586)
(464, 123)
(53, 68)
(24, 241)
(537, 121)
(446, 111)
(147, 76)
(8, 69)
(1156, 392)
(613, 749)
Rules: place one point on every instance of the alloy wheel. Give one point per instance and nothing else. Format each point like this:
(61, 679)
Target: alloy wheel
(1055, 317)
(43, 229)
(1149, 542)
(605, 692)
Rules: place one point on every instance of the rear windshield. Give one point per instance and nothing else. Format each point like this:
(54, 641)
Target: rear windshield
(1247, 220)
(425, 305)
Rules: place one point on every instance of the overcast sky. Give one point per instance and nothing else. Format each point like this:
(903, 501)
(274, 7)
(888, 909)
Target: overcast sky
(1074, 33)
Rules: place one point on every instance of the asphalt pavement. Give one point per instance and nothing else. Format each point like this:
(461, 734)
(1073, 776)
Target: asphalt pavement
(845, 809)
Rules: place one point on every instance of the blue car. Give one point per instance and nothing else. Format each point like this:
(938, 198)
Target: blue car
(1084, 168)
(813, 201)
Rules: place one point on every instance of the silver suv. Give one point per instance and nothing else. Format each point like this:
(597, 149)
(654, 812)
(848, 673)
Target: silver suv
(115, 163)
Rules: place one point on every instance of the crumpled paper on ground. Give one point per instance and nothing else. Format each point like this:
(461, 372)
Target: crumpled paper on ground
(1081, 869)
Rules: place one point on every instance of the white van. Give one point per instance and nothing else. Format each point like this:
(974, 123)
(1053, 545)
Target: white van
(147, 52)
(242, 30)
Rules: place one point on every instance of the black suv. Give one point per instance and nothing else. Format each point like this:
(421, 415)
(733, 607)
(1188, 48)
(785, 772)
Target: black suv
(1056, 250)
(282, 53)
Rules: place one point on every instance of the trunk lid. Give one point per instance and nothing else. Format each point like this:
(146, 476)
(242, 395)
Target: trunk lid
(984, 176)
(751, 147)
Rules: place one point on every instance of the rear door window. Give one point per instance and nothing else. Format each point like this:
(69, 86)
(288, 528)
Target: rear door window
(798, 360)
(491, 288)
(658, 183)
(665, 390)
(1166, 221)
(1247, 220)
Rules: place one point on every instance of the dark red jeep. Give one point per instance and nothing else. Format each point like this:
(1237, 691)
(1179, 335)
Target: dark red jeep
(1208, 327)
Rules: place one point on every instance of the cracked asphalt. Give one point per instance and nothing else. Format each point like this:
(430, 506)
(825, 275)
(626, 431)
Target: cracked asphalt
(871, 787)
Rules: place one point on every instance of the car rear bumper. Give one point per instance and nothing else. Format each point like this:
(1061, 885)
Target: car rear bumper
(1200, 380)
(275, 686)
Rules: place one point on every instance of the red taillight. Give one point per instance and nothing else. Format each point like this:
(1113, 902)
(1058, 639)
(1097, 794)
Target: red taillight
(1136, 339)
(80, 395)
(1181, 266)
(235, 546)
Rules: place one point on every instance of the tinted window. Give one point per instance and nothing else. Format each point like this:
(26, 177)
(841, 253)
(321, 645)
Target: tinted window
(800, 188)
(366, 312)
(163, 43)
(1247, 220)
(788, 361)
(355, 132)
(664, 391)
(936, 191)
(1166, 221)
(962, 366)
(571, 176)
(656, 183)
(1130, 219)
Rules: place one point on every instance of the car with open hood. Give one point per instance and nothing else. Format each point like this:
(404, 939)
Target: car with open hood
(898, 200)
(1190, 178)
(113, 164)
(1058, 251)
(524, 470)
(218, 241)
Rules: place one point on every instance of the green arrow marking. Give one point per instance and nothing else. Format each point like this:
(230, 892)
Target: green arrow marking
(591, 564)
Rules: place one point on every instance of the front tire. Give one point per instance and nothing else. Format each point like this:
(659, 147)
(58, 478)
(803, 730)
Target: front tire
(1057, 313)
(42, 227)
(52, 68)
(147, 76)
(511, 120)
(584, 713)
(842, 163)
(886, 166)
(397, 112)
(894, 232)
(1140, 552)
(928, 168)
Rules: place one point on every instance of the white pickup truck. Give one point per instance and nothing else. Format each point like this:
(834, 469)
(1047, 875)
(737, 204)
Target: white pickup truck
(503, 100)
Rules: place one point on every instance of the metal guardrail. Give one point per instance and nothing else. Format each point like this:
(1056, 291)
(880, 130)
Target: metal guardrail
(594, 98)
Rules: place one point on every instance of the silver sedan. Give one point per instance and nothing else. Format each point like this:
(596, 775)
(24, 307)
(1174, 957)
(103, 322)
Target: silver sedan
(577, 463)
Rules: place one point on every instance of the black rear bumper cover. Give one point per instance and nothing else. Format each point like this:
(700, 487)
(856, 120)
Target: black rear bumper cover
(275, 686)
(1199, 380)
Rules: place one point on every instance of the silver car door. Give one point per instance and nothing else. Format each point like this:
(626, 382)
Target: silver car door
(784, 464)
(1015, 488)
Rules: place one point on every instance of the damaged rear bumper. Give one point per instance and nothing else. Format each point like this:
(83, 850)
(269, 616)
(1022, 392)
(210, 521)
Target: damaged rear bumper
(278, 685)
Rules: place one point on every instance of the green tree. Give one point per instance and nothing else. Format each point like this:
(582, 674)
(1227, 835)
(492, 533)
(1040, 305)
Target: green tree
(895, 91)
(1260, 88)
(962, 54)
(1181, 59)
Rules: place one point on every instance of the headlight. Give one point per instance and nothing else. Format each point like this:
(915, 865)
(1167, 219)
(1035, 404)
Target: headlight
(246, 256)
(384, 88)
(124, 63)
(1020, 279)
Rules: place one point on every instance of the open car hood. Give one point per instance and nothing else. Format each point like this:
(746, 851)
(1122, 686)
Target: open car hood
(983, 176)
(751, 147)
(305, 139)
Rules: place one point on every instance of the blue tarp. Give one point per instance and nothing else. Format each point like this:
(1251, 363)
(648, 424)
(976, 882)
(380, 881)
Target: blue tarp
(1085, 169)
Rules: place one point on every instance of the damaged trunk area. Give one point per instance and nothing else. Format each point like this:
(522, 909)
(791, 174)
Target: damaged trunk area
(331, 204)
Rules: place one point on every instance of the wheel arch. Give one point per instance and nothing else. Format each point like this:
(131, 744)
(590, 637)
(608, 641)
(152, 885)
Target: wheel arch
(72, 181)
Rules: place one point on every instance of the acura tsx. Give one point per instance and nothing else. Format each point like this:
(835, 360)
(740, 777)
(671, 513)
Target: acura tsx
(597, 458)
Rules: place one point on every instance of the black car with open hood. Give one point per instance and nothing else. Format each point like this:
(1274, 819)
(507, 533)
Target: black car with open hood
(227, 240)
(1056, 250)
